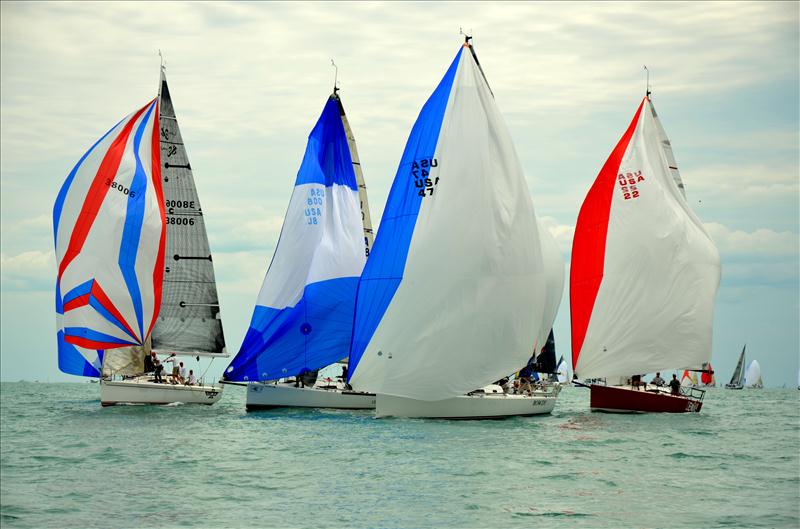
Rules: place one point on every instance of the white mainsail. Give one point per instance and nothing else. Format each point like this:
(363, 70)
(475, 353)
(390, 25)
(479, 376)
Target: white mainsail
(644, 270)
(453, 294)
(554, 270)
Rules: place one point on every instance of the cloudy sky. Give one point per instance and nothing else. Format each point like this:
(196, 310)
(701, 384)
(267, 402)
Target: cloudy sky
(249, 80)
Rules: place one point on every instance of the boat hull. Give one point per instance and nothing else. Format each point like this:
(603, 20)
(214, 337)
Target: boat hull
(270, 396)
(733, 386)
(480, 406)
(624, 399)
(142, 391)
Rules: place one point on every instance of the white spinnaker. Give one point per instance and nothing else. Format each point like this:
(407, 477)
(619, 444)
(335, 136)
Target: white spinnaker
(99, 256)
(554, 269)
(753, 375)
(655, 306)
(471, 301)
(307, 254)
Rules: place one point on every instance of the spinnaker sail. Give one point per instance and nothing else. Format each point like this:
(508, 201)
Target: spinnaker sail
(303, 319)
(453, 294)
(644, 270)
(109, 231)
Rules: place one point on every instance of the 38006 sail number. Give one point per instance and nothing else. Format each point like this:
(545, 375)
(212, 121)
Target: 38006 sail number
(121, 188)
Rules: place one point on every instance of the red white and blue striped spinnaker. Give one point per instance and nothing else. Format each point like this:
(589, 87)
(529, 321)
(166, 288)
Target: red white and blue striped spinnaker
(109, 228)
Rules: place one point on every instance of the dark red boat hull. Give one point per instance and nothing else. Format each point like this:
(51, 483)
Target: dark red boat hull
(625, 400)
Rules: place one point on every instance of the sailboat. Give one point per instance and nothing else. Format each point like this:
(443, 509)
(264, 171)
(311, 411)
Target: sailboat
(303, 319)
(752, 377)
(737, 379)
(707, 379)
(135, 273)
(453, 294)
(644, 275)
(688, 379)
(562, 371)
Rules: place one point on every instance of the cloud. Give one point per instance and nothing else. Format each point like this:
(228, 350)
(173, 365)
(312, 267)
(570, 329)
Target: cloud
(761, 243)
(31, 270)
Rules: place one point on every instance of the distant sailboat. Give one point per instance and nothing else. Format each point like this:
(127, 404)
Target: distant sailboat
(303, 319)
(752, 377)
(453, 295)
(134, 268)
(562, 370)
(737, 379)
(644, 274)
(707, 379)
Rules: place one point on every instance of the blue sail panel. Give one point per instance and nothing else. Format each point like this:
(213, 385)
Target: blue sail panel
(312, 334)
(384, 269)
(72, 362)
(303, 319)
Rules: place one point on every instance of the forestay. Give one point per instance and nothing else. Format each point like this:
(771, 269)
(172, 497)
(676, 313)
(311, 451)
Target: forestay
(109, 229)
(189, 320)
(644, 271)
(303, 318)
(452, 296)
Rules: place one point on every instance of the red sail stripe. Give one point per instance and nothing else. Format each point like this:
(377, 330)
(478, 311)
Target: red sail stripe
(589, 242)
(80, 301)
(97, 193)
(92, 344)
(158, 270)
(100, 295)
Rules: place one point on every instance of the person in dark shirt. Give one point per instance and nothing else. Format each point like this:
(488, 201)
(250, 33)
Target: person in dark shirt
(149, 367)
(675, 385)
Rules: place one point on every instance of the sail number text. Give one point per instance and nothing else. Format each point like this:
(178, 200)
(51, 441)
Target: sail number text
(172, 205)
(314, 203)
(628, 184)
(421, 171)
(121, 188)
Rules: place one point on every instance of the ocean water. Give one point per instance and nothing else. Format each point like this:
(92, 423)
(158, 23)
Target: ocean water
(67, 462)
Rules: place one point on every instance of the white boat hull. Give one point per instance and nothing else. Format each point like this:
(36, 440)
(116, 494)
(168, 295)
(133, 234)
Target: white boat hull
(142, 391)
(477, 406)
(268, 396)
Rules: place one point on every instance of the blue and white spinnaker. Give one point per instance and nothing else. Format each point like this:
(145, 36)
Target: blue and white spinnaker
(303, 319)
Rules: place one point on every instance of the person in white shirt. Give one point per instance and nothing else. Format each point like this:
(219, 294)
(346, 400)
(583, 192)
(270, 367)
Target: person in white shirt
(192, 380)
(182, 373)
(173, 359)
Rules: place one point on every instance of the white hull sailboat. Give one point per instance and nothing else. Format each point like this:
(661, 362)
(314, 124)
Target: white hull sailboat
(480, 405)
(456, 291)
(303, 319)
(142, 390)
(267, 396)
(131, 201)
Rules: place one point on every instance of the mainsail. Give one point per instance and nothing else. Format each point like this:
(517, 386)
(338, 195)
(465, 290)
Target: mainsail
(366, 220)
(644, 270)
(189, 320)
(453, 294)
(303, 319)
(109, 231)
(737, 379)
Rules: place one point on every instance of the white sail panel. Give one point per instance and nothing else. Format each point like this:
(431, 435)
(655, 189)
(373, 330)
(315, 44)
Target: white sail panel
(654, 306)
(471, 300)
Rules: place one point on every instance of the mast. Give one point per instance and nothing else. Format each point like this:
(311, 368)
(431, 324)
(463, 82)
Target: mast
(189, 320)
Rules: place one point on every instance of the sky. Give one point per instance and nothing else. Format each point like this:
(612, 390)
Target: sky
(249, 80)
